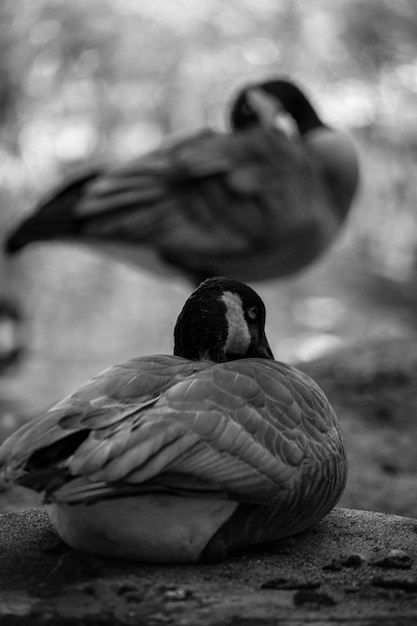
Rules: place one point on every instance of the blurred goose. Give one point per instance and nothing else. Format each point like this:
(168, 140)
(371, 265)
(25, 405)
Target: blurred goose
(12, 334)
(252, 204)
(187, 457)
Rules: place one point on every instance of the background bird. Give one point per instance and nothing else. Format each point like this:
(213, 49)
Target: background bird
(187, 457)
(13, 334)
(252, 204)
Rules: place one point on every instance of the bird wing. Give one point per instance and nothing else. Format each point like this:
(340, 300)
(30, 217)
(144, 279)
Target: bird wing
(199, 184)
(103, 404)
(212, 204)
(249, 430)
(208, 202)
(266, 431)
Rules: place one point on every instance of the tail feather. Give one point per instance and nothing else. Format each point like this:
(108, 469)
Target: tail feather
(55, 218)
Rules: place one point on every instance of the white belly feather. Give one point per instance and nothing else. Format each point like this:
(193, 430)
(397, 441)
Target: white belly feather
(151, 528)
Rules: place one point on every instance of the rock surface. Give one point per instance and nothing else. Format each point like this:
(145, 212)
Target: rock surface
(354, 567)
(372, 387)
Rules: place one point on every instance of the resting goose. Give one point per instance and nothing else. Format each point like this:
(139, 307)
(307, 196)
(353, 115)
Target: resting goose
(252, 204)
(188, 457)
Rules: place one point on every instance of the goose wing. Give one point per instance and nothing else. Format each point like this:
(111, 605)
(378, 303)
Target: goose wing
(267, 433)
(251, 430)
(202, 204)
(101, 408)
(203, 201)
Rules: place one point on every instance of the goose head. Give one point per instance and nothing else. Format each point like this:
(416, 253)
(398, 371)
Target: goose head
(330, 152)
(287, 96)
(222, 320)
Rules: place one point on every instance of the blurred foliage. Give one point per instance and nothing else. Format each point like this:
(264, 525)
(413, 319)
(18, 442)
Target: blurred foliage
(101, 78)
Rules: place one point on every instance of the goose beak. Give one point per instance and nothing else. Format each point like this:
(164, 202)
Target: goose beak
(261, 350)
(264, 105)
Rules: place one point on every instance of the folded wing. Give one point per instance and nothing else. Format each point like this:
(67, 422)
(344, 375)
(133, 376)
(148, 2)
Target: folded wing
(252, 430)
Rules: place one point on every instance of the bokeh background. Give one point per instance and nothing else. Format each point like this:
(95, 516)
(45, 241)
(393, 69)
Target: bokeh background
(84, 82)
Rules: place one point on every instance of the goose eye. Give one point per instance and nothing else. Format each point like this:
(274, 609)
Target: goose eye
(252, 313)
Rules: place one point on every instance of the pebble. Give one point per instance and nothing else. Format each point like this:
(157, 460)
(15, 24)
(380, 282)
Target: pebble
(406, 584)
(177, 594)
(290, 583)
(334, 566)
(395, 559)
(312, 597)
(353, 560)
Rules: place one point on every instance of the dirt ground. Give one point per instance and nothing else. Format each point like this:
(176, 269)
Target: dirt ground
(352, 568)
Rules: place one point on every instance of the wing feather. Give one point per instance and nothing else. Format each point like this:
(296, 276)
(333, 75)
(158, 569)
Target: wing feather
(253, 430)
(209, 178)
(250, 204)
(102, 406)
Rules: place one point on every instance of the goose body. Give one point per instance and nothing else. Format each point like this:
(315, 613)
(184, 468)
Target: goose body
(251, 204)
(12, 334)
(187, 457)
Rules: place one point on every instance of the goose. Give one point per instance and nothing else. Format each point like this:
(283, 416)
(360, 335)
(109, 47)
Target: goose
(253, 204)
(12, 334)
(187, 457)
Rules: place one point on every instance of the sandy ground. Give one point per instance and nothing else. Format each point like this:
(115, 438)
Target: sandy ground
(351, 568)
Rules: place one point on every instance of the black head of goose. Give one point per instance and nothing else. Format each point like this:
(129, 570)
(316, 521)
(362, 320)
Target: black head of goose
(331, 154)
(251, 204)
(181, 459)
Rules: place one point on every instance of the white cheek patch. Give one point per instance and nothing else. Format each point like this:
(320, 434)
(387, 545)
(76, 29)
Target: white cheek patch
(238, 336)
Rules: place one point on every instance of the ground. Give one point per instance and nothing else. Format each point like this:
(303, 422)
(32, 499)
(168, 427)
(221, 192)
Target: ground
(352, 568)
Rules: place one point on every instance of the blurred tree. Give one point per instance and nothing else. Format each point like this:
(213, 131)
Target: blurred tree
(380, 33)
(10, 82)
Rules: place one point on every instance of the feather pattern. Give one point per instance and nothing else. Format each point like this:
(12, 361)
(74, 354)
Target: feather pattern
(250, 204)
(179, 458)
(253, 429)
